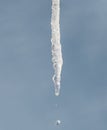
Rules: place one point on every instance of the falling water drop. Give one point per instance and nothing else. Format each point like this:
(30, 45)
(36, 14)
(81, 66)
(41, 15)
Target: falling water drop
(58, 122)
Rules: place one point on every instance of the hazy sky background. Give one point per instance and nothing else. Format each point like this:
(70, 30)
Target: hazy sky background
(27, 100)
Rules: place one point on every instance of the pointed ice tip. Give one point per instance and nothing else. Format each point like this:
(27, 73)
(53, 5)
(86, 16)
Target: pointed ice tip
(57, 91)
(56, 94)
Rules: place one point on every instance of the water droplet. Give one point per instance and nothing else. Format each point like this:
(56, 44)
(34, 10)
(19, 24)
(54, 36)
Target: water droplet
(58, 122)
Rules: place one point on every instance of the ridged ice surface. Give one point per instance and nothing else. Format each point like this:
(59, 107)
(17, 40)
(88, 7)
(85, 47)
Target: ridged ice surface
(56, 45)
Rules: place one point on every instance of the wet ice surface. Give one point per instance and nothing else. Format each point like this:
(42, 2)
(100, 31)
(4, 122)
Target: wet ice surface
(57, 90)
(57, 59)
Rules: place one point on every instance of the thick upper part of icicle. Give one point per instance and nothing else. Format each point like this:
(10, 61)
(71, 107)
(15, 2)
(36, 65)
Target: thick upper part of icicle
(56, 46)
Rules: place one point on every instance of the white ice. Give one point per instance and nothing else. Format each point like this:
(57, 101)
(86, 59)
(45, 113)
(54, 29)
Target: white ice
(56, 45)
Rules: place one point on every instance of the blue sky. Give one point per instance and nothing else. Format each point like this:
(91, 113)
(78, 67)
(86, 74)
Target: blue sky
(27, 100)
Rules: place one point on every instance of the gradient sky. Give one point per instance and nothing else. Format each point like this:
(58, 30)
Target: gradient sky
(27, 100)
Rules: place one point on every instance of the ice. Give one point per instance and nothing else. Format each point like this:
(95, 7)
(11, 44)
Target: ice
(56, 45)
